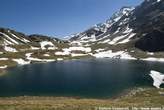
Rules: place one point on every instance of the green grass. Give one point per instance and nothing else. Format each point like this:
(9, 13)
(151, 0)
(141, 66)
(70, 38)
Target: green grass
(141, 54)
(13, 55)
(19, 47)
(148, 97)
(8, 62)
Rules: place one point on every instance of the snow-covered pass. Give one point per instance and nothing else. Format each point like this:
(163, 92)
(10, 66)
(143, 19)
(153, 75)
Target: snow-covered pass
(157, 77)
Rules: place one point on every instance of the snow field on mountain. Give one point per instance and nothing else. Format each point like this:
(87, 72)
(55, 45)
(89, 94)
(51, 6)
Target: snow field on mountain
(10, 49)
(43, 45)
(111, 54)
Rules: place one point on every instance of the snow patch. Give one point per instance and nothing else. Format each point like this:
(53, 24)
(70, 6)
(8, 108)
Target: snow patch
(60, 59)
(4, 59)
(21, 61)
(76, 43)
(86, 38)
(10, 49)
(150, 53)
(43, 45)
(158, 0)
(12, 40)
(62, 53)
(78, 55)
(105, 41)
(46, 55)
(28, 56)
(21, 39)
(116, 39)
(52, 48)
(3, 67)
(68, 51)
(84, 49)
(127, 39)
(34, 48)
(99, 50)
(153, 59)
(157, 77)
(110, 54)
(6, 42)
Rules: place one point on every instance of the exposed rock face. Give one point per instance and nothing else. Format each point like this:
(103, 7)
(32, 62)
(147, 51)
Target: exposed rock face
(149, 24)
(152, 42)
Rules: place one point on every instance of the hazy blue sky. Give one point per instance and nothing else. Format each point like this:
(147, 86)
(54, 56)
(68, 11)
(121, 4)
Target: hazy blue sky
(57, 17)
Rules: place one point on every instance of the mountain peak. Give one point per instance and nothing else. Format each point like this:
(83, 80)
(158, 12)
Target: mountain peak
(152, 1)
(126, 9)
(123, 11)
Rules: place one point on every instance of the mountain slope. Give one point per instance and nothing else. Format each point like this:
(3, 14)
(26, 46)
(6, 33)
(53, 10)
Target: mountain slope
(15, 39)
(18, 48)
(106, 32)
(131, 33)
(126, 25)
(149, 22)
(10, 37)
(134, 31)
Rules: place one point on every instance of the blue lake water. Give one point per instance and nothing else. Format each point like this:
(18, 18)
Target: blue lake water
(95, 78)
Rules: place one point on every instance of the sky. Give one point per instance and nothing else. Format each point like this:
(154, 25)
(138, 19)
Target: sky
(57, 18)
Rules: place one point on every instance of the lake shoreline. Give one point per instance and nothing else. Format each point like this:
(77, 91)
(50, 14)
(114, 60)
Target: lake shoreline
(85, 57)
(3, 72)
(149, 97)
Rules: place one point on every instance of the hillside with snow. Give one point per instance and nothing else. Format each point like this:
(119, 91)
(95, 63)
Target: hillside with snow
(133, 33)
(136, 31)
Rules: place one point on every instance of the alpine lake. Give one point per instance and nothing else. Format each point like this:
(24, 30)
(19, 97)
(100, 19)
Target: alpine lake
(86, 78)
